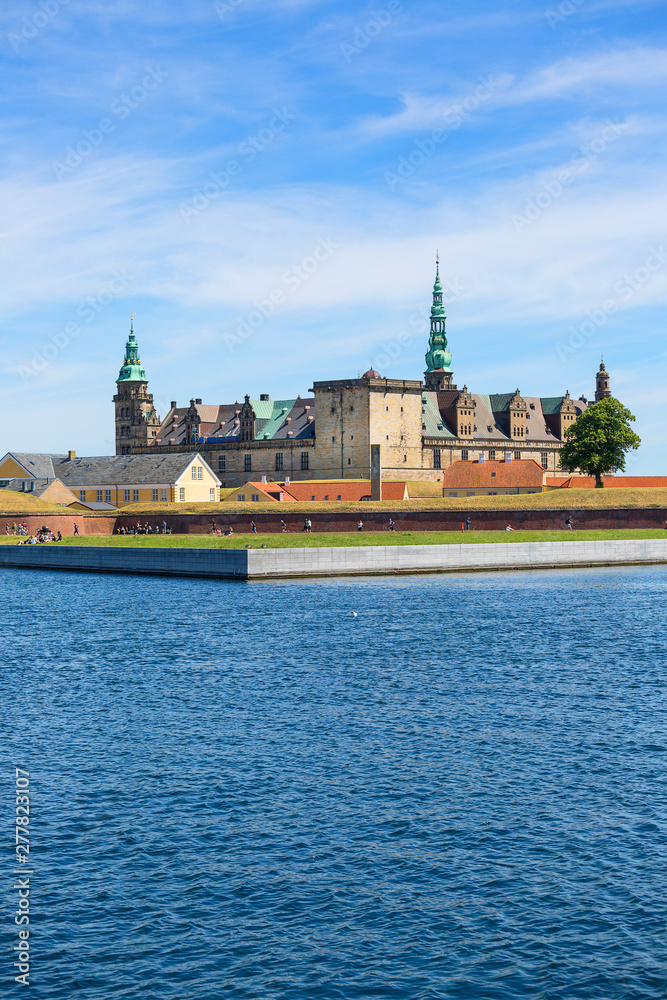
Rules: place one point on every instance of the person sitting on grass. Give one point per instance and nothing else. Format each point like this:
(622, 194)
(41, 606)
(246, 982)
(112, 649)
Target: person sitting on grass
(509, 528)
(229, 530)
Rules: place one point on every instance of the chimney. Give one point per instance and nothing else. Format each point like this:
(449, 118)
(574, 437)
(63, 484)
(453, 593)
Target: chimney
(376, 472)
(71, 455)
(264, 397)
(286, 483)
(263, 479)
(198, 402)
(173, 405)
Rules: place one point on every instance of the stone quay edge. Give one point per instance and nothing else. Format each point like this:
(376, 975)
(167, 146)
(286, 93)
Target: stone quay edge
(257, 564)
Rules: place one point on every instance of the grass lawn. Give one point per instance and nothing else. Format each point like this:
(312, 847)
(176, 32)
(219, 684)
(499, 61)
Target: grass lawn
(343, 538)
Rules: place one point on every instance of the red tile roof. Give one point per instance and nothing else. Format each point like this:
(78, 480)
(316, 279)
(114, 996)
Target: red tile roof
(345, 489)
(519, 474)
(610, 482)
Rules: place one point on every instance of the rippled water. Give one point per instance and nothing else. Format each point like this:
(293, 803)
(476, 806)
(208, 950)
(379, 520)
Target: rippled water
(246, 791)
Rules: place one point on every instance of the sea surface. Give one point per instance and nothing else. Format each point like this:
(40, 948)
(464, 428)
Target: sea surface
(414, 788)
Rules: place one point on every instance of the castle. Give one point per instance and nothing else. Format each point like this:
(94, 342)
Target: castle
(420, 427)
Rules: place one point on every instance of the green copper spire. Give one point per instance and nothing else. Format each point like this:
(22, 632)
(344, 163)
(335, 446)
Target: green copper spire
(438, 356)
(132, 370)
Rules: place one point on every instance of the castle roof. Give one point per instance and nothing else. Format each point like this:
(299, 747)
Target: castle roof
(521, 473)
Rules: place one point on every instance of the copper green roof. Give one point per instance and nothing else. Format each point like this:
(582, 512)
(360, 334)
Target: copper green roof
(132, 369)
(433, 425)
(551, 404)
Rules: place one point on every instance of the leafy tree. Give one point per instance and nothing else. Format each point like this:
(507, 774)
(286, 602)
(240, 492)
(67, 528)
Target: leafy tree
(598, 440)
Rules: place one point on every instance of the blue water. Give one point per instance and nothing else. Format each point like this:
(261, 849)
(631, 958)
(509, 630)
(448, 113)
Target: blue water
(245, 791)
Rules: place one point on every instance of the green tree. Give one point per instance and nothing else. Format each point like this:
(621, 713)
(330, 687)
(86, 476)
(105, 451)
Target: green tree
(598, 440)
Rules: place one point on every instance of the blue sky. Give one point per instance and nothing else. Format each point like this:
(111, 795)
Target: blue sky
(265, 183)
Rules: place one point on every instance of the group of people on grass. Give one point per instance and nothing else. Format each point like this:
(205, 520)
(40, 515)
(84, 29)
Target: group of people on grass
(16, 529)
(144, 529)
(43, 535)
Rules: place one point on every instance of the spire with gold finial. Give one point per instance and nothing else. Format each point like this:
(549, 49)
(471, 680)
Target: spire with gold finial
(437, 356)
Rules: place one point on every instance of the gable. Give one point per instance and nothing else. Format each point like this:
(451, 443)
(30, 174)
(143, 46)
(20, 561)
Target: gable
(10, 469)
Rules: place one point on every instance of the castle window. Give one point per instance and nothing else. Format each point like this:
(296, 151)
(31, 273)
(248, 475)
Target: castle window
(163, 493)
(155, 494)
(436, 459)
(194, 471)
(107, 496)
(99, 496)
(349, 461)
(181, 492)
(247, 463)
(492, 456)
(135, 494)
(82, 495)
(254, 497)
(464, 454)
(333, 440)
(339, 497)
(544, 459)
(517, 455)
(241, 497)
(211, 494)
(222, 463)
(279, 461)
(200, 472)
(126, 494)
(304, 459)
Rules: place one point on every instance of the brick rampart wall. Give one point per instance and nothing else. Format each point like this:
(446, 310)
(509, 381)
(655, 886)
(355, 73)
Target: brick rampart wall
(433, 520)
(88, 524)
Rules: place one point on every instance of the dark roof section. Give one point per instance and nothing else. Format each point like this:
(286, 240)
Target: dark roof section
(38, 466)
(125, 470)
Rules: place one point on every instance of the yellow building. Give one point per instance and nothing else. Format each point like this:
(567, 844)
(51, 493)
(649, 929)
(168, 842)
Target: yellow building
(117, 480)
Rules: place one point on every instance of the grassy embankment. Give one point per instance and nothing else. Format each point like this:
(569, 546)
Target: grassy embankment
(13, 504)
(555, 500)
(343, 538)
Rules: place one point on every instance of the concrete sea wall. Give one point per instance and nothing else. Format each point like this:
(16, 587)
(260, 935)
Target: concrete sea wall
(249, 564)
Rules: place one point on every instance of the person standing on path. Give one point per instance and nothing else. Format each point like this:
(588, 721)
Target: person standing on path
(76, 528)
(568, 524)
(467, 524)
(253, 527)
(391, 524)
(360, 525)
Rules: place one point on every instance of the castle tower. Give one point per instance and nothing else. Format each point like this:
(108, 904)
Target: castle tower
(137, 422)
(602, 390)
(438, 374)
